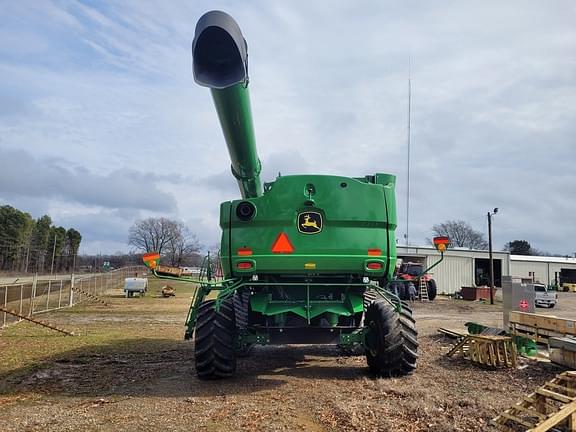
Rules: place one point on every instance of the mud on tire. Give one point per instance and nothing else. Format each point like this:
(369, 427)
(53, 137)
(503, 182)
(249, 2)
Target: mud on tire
(391, 341)
(215, 340)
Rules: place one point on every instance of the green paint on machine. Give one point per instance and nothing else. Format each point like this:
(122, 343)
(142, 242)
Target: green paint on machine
(305, 258)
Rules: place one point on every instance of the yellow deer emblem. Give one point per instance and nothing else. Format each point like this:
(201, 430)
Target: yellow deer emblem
(308, 223)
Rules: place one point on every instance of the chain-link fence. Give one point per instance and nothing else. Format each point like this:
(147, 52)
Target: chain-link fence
(47, 293)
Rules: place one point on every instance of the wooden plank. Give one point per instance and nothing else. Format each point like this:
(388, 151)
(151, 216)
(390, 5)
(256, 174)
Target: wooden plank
(554, 419)
(529, 411)
(560, 387)
(559, 325)
(451, 333)
(556, 396)
(518, 420)
(456, 347)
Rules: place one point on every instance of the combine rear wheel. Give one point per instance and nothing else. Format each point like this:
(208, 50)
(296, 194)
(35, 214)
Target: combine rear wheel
(215, 340)
(391, 340)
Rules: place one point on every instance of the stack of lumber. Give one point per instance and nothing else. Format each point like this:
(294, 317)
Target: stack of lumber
(540, 327)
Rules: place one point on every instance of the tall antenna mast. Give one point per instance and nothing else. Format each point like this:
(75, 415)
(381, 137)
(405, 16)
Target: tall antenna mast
(408, 161)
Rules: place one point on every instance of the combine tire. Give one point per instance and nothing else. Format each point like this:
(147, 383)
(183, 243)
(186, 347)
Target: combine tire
(403, 290)
(215, 340)
(369, 296)
(241, 311)
(391, 341)
(432, 290)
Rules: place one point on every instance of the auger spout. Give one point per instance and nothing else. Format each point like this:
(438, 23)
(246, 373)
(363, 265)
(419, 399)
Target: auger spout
(220, 62)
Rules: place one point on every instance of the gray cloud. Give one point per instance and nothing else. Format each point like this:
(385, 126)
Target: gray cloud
(493, 125)
(23, 174)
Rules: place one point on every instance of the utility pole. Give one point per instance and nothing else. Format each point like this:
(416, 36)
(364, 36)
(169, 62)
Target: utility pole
(408, 161)
(490, 254)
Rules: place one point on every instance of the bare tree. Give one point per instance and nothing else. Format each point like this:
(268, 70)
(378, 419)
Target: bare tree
(171, 239)
(182, 245)
(152, 234)
(461, 234)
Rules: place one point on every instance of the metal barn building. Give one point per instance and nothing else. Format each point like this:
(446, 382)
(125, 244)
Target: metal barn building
(461, 267)
(465, 267)
(544, 269)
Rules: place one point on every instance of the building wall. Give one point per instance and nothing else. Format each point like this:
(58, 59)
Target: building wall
(457, 269)
(544, 270)
(524, 268)
(453, 273)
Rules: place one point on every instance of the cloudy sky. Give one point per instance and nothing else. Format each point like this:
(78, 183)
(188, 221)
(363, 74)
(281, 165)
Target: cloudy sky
(102, 124)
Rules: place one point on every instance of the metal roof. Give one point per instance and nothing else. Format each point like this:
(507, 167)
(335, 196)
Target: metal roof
(532, 258)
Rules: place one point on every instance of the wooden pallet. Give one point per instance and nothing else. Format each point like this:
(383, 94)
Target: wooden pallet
(551, 406)
(494, 351)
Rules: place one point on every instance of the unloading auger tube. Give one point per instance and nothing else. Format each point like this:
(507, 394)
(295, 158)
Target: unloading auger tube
(220, 62)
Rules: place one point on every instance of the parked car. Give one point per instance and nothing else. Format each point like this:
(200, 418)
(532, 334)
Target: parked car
(544, 296)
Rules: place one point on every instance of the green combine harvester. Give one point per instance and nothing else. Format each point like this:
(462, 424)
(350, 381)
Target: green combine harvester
(306, 259)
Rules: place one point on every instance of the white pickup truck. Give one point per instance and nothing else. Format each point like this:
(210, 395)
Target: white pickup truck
(544, 296)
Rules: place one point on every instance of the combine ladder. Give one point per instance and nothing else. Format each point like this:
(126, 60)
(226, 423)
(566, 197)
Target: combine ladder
(550, 407)
(423, 290)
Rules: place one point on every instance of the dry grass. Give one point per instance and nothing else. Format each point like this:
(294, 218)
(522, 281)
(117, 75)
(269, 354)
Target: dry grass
(129, 369)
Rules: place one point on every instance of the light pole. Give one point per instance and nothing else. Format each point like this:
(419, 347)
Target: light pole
(490, 254)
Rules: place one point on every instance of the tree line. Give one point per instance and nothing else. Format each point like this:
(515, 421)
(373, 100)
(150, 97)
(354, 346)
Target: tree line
(35, 245)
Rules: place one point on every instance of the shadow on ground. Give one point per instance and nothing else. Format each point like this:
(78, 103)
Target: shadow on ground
(165, 367)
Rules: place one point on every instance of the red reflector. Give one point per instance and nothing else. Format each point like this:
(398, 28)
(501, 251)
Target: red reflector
(244, 265)
(375, 252)
(244, 251)
(441, 240)
(374, 266)
(282, 244)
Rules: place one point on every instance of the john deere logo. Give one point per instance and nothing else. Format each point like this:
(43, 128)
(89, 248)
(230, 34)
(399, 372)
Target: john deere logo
(310, 222)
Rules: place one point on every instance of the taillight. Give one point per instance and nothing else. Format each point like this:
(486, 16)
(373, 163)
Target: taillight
(374, 265)
(244, 265)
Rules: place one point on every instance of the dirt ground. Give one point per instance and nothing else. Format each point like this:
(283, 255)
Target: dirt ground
(128, 369)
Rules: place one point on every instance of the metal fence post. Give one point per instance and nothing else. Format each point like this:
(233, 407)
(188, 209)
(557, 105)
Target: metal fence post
(33, 294)
(60, 293)
(21, 298)
(5, 303)
(71, 299)
(48, 296)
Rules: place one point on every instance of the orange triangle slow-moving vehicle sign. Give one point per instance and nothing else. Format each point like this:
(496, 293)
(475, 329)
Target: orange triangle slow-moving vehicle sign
(282, 244)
